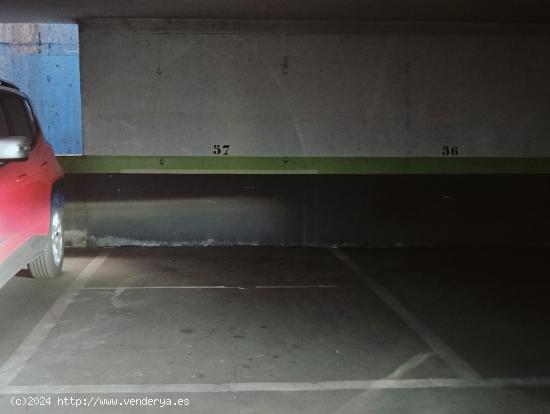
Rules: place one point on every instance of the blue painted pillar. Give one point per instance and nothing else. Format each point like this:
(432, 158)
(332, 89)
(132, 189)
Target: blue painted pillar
(43, 60)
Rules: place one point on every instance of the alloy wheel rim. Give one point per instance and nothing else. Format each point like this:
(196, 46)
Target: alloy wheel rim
(57, 237)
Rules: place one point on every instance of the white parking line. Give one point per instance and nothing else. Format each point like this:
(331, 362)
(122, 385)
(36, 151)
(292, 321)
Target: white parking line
(159, 287)
(356, 404)
(455, 362)
(30, 344)
(226, 287)
(383, 384)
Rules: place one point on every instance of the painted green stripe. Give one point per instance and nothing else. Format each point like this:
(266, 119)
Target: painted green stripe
(304, 165)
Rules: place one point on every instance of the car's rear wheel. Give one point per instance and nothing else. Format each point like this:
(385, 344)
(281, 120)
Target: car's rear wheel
(49, 262)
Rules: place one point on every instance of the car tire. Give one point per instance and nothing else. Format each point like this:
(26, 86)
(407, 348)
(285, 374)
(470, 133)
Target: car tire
(49, 262)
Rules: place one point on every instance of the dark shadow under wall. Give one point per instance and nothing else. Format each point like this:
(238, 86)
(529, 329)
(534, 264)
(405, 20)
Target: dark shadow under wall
(374, 210)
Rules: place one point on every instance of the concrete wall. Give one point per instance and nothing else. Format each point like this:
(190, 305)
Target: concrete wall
(43, 60)
(155, 87)
(376, 210)
(167, 91)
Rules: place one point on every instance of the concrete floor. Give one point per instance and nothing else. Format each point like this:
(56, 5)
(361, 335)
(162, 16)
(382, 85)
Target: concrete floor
(283, 330)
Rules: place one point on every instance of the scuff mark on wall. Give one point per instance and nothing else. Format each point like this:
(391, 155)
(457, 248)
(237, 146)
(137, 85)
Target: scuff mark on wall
(24, 38)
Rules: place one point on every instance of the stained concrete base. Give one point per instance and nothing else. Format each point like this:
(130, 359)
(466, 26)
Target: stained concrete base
(282, 330)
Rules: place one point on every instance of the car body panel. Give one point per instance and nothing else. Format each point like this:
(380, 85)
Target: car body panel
(25, 199)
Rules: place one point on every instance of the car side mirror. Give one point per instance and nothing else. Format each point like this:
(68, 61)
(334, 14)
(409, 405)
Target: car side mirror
(14, 148)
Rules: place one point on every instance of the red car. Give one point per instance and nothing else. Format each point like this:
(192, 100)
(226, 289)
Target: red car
(31, 192)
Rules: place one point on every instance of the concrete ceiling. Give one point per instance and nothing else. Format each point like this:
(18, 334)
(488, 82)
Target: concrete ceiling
(14, 11)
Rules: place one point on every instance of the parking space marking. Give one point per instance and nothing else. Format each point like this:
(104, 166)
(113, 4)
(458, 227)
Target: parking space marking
(382, 384)
(227, 287)
(357, 403)
(451, 358)
(160, 287)
(31, 343)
